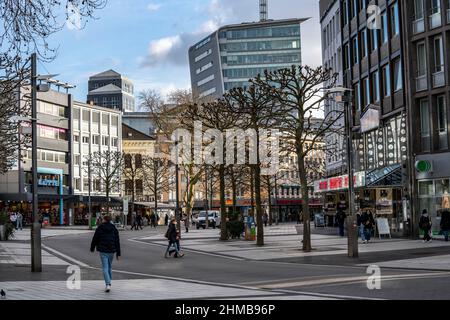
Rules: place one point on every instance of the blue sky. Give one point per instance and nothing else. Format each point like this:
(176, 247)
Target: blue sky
(147, 40)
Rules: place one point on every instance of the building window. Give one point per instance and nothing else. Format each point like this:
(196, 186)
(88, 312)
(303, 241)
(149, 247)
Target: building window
(425, 127)
(345, 11)
(205, 80)
(386, 77)
(96, 139)
(357, 97)
(105, 141)
(442, 123)
(355, 50)
(86, 139)
(208, 92)
(366, 99)
(114, 142)
(203, 55)
(438, 55)
(105, 101)
(398, 75)
(376, 86)
(395, 23)
(364, 49)
(76, 138)
(205, 67)
(384, 28)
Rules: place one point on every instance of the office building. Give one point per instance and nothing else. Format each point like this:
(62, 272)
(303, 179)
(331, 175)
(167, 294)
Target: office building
(94, 129)
(111, 90)
(233, 54)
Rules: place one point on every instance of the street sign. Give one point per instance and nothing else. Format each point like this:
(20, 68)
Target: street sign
(424, 166)
(125, 207)
(383, 227)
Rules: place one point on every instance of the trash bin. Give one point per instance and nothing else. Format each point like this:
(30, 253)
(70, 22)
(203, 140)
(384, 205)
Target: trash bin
(93, 222)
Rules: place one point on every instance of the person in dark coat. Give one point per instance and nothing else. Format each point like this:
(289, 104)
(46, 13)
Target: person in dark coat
(166, 219)
(340, 217)
(172, 237)
(139, 222)
(106, 240)
(425, 225)
(445, 224)
(368, 222)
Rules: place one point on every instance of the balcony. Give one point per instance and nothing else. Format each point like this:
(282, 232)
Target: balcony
(418, 26)
(422, 82)
(439, 77)
(435, 18)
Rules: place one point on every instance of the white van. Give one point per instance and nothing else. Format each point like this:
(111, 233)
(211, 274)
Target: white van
(213, 219)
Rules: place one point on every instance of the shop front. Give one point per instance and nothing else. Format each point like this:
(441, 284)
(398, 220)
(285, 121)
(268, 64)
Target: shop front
(433, 186)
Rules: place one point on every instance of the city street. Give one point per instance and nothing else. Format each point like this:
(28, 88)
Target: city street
(235, 270)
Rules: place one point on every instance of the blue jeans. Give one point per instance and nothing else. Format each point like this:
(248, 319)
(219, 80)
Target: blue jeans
(361, 232)
(107, 259)
(367, 234)
(446, 233)
(19, 224)
(341, 229)
(175, 245)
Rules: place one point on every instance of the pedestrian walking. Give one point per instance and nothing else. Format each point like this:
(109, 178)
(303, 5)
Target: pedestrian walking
(166, 220)
(173, 250)
(153, 220)
(19, 221)
(13, 219)
(360, 226)
(425, 225)
(340, 217)
(139, 222)
(368, 222)
(171, 236)
(106, 241)
(186, 224)
(265, 218)
(445, 224)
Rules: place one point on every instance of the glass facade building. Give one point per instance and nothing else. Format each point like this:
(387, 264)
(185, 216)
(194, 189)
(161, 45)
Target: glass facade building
(234, 54)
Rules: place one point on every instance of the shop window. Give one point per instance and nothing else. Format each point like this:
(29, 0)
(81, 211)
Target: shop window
(426, 188)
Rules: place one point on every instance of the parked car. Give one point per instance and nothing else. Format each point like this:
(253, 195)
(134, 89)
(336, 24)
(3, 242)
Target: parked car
(319, 220)
(213, 219)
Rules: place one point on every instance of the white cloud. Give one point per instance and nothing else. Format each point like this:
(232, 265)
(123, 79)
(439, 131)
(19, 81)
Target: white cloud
(154, 6)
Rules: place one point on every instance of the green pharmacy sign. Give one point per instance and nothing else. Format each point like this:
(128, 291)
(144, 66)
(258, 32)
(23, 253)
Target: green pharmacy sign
(424, 166)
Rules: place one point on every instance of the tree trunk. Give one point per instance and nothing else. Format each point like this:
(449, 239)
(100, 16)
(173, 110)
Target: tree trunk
(269, 194)
(107, 199)
(223, 213)
(305, 201)
(155, 186)
(252, 194)
(233, 190)
(133, 193)
(259, 222)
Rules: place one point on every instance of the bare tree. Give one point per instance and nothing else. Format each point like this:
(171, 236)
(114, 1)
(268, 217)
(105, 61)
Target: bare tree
(156, 176)
(25, 27)
(256, 111)
(219, 116)
(299, 92)
(106, 166)
(132, 171)
(180, 97)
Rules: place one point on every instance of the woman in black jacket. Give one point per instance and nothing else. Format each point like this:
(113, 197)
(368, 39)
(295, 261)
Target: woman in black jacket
(172, 237)
(106, 240)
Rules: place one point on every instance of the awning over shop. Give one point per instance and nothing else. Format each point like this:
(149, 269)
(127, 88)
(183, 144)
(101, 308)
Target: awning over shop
(152, 205)
(390, 176)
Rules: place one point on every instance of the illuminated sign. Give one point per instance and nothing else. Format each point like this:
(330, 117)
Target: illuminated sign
(340, 183)
(48, 183)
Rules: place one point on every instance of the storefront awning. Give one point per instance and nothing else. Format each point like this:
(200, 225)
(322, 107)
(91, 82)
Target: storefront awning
(390, 176)
(152, 205)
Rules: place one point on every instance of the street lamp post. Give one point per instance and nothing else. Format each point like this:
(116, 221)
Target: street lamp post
(36, 253)
(352, 231)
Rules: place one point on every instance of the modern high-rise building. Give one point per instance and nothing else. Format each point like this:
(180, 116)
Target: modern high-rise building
(110, 89)
(232, 55)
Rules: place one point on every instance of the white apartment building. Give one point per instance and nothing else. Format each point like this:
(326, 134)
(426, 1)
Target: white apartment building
(94, 129)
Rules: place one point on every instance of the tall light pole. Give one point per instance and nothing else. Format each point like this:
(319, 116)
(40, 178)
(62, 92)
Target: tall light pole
(352, 227)
(36, 251)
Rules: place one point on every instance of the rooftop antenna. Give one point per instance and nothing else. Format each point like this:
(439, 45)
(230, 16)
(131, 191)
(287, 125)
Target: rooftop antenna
(263, 10)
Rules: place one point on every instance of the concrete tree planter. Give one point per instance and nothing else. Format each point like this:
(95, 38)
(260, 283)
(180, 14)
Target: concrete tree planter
(2, 233)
